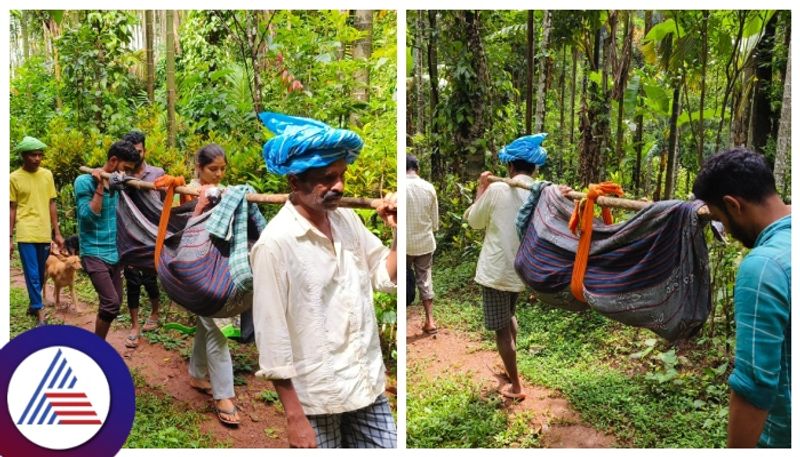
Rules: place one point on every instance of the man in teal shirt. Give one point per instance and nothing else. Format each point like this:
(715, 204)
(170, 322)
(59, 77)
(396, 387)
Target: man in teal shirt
(97, 229)
(739, 188)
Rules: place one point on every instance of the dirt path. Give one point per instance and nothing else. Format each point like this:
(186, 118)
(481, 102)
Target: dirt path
(559, 426)
(262, 426)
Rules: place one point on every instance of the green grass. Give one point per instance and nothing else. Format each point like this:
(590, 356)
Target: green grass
(621, 380)
(451, 413)
(161, 422)
(19, 319)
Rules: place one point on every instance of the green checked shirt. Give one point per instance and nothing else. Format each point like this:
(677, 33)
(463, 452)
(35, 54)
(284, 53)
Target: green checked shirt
(97, 232)
(762, 305)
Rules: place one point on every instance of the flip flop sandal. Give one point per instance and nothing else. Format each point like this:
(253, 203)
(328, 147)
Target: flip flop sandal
(430, 331)
(232, 412)
(150, 325)
(132, 342)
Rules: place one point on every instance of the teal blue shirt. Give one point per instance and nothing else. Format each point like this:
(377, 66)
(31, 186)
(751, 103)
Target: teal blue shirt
(97, 232)
(762, 307)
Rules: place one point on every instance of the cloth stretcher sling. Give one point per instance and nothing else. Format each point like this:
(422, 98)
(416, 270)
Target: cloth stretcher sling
(651, 271)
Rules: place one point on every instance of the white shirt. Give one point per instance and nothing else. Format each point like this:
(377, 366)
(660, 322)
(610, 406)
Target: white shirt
(313, 310)
(496, 211)
(422, 216)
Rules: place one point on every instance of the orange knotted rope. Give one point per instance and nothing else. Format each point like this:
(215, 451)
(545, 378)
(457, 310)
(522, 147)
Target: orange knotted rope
(584, 212)
(170, 183)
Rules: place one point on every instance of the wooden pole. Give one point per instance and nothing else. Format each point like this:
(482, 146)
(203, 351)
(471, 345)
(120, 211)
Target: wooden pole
(270, 199)
(611, 202)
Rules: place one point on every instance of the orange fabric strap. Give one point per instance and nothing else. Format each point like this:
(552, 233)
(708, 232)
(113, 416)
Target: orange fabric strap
(584, 215)
(170, 183)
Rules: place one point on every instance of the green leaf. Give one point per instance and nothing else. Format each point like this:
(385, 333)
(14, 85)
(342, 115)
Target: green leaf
(663, 30)
(657, 98)
(631, 95)
(596, 77)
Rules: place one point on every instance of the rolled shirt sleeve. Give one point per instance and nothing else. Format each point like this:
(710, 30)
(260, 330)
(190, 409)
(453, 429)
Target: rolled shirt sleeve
(270, 307)
(762, 317)
(84, 191)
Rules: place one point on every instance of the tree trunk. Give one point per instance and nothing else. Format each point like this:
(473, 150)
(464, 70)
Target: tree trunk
(254, 45)
(639, 145)
(362, 50)
(477, 129)
(621, 81)
(529, 57)
(594, 119)
(741, 106)
(701, 131)
(731, 74)
(437, 167)
(672, 142)
(562, 90)
(783, 147)
(100, 85)
(52, 32)
(170, 42)
(151, 67)
(573, 89)
(419, 116)
(637, 171)
(540, 89)
(786, 35)
(762, 110)
(26, 43)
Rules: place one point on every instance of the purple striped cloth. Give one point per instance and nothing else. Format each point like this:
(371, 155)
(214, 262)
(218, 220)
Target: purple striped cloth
(650, 271)
(193, 267)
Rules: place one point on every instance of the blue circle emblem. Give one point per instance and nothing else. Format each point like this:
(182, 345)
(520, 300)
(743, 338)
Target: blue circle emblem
(65, 392)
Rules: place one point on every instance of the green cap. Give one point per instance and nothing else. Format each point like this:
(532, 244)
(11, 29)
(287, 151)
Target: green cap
(29, 144)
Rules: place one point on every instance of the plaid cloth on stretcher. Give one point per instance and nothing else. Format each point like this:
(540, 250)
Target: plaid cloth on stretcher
(228, 221)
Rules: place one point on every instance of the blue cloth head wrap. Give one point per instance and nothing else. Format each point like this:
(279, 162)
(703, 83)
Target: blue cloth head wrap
(301, 143)
(528, 148)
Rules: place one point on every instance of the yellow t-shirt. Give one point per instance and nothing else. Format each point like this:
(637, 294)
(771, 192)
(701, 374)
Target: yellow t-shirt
(32, 193)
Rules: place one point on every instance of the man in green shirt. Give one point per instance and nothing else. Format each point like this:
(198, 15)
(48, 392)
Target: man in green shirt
(97, 228)
(739, 188)
(34, 215)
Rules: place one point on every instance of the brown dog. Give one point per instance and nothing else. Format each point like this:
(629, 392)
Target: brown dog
(62, 269)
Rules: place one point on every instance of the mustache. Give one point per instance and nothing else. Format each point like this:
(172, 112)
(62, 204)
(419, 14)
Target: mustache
(332, 195)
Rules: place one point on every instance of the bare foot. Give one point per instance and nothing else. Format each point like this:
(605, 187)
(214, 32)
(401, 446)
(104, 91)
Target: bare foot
(509, 393)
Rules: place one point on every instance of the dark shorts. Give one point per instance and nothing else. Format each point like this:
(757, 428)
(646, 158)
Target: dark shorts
(107, 282)
(499, 307)
(134, 280)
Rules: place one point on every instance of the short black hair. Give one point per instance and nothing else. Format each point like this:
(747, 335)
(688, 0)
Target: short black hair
(134, 137)
(523, 166)
(124, 151)
(412, 163)
(737, 172)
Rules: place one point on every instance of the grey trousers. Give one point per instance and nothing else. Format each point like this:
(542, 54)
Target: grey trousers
(211, 358)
